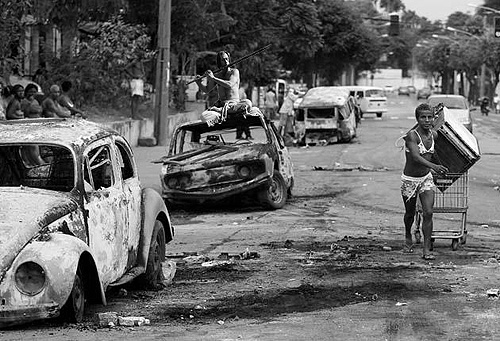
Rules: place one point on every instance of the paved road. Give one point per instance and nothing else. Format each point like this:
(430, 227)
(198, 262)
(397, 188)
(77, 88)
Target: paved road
(346, 195)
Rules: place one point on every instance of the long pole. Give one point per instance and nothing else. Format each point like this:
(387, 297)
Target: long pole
(236, 61)
(162, 72)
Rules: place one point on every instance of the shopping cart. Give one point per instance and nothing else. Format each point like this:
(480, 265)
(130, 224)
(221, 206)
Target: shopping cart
(450, 199)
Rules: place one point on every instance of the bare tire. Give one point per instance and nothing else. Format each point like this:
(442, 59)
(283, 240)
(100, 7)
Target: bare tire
(340, 139)
(73, 309)
(275, 195)
(154, 274)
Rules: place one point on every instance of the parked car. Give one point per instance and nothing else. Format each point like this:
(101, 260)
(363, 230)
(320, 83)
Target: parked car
(412, 89)
(207, 163)
(370, 99)
(403, 90)
(327, 114)
(423, 93)
(457, 106)
(74, 219)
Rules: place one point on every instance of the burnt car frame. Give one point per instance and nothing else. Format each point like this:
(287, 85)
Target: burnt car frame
(74, 219)
(206, 163)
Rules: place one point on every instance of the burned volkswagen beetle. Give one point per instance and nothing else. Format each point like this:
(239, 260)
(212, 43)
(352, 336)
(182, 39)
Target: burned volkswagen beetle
(207, 163)
(74, 219)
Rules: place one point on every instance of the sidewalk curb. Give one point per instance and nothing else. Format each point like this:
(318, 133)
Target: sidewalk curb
(135, 130)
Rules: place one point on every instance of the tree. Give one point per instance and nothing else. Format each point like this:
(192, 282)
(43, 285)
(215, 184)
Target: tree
(12, 19)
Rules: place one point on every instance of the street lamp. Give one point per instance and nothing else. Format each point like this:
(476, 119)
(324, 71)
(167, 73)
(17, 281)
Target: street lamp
(453, 29)
(486, 8)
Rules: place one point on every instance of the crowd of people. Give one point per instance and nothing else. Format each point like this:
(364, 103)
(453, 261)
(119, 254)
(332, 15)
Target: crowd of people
(18, 102)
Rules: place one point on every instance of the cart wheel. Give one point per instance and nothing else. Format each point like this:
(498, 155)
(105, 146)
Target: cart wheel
(418, 237)
(463, 239)
(454, 244)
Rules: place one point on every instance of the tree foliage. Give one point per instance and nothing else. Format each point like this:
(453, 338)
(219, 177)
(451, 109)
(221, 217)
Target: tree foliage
(12, 19)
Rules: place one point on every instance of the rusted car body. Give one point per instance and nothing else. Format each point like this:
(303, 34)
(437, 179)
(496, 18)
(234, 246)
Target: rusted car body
(326, 113)
(74, 219)
(208, 163)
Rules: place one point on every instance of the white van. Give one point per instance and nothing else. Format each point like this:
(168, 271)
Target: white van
(371, 99)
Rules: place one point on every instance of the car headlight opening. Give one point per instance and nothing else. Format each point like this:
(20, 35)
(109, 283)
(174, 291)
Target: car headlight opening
(30, 278)
(172, 182)
(244, 171)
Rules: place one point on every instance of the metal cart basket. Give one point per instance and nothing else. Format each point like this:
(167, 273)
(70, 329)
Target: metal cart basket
(450, 198)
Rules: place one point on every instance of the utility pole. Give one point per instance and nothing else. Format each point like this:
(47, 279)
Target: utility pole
(162, 72)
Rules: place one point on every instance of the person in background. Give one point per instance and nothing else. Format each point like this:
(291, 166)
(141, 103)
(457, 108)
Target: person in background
(50, 105)
(270, 103)
(496, 102)
(135, 70)
(66, 102)
(417, 179)
(29, 104)
(14, 111)
(4, 93)
(286, 123)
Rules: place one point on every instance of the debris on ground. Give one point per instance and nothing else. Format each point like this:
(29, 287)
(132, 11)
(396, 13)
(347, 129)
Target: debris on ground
(196, 259)
(492, 292)
(217, 263)
(400, 304)
(169, 268)
(111, 319)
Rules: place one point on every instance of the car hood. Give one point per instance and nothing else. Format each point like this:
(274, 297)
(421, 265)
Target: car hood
(215, 156)
(23, 212)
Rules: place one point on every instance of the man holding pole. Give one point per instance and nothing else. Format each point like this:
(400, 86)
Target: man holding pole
(227, 85)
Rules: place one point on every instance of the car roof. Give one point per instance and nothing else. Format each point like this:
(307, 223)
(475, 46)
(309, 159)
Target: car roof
(361, 87)
(68, 132)
(232, 121)
(325, 96)
(446, 96)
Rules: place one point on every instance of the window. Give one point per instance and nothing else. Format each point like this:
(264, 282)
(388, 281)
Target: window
(125, 160)
(101, 169)
(37, 165)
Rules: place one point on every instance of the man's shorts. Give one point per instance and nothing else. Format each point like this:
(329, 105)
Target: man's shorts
(411, 186)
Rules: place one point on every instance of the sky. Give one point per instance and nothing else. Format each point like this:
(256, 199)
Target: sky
(440, 9)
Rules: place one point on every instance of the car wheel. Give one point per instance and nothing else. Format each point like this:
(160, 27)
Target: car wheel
(340, 139)
(379, 114)
(275, 195)
(73, 309)
(154, 274)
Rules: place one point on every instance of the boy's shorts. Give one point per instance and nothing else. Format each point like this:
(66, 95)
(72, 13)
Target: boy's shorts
(411, 186)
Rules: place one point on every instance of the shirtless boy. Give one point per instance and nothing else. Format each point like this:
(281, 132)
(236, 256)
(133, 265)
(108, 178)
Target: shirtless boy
(417, 177)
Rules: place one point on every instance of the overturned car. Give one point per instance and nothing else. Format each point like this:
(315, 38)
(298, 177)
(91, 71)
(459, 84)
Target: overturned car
(74, 219)
(207, 163)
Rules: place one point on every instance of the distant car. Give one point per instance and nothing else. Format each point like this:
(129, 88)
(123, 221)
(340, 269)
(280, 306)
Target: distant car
(403, 90)
(423, 93)
(412, 89)
(74, 218)
(207, 163)
(388, 89)
(457, 106)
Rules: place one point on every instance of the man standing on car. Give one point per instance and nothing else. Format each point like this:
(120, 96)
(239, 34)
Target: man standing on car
(227, 82)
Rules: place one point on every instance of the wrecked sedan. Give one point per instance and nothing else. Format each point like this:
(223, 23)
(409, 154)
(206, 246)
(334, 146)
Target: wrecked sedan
(74, 219)
(209, 163)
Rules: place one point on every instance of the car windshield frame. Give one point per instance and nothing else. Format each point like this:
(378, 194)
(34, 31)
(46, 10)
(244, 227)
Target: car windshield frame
(48, 166)
(201, 136)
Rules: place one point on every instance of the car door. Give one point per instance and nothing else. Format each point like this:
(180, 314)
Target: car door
(132, 198)
(105, 207)
(285, 160)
